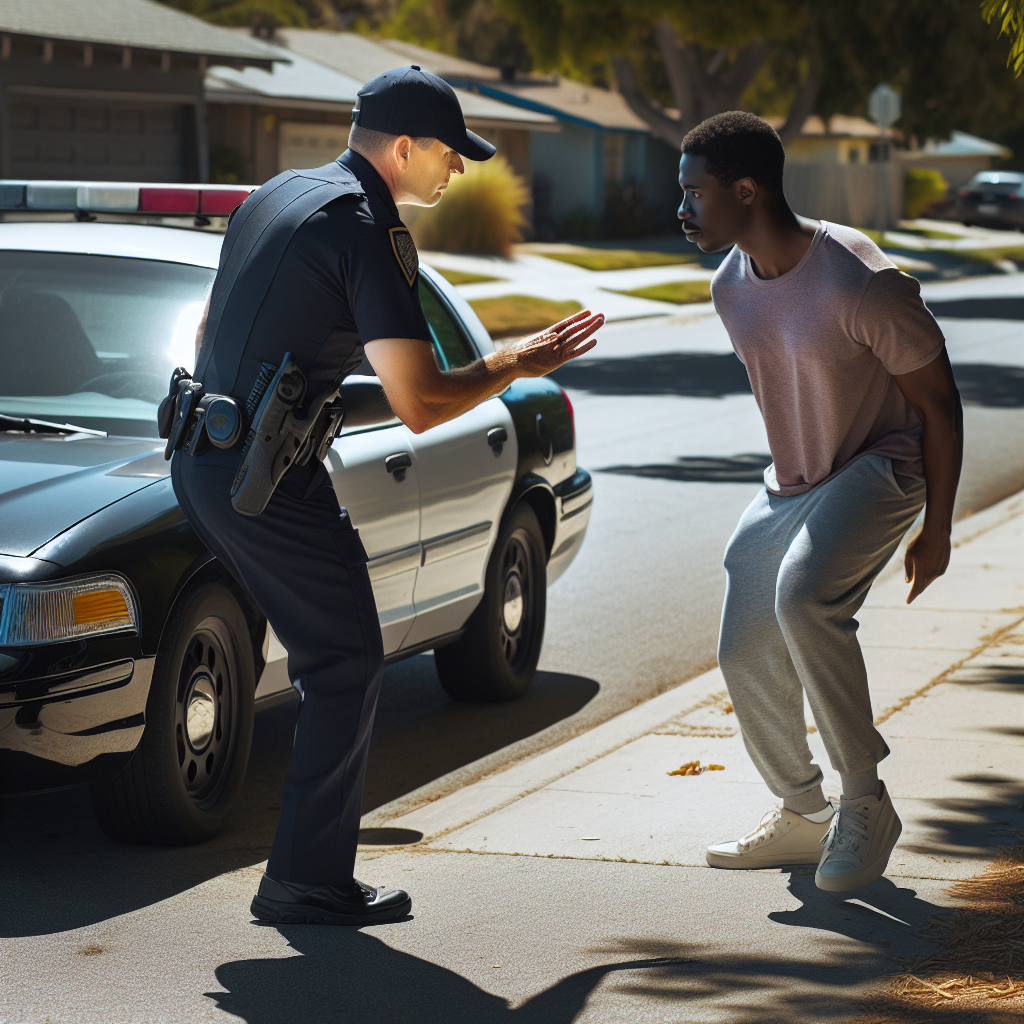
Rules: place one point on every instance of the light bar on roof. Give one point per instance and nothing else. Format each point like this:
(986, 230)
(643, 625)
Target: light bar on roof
(122, 197)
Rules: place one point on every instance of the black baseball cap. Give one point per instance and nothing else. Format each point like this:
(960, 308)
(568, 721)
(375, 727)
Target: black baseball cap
(411, 101)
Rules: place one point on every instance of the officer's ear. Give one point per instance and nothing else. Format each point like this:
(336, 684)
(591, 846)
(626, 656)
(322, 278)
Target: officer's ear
(401, 150)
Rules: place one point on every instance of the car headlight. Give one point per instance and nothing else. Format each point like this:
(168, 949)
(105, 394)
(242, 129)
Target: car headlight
(39, 613)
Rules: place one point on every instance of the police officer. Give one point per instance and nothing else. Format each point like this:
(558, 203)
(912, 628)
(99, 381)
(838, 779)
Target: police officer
(319, 265)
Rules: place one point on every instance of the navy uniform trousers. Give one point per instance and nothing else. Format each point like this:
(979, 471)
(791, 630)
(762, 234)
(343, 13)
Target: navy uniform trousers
(304, 565)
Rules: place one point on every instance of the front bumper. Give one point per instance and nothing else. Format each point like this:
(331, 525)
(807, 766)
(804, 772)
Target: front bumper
(574, 499)
(70, 713)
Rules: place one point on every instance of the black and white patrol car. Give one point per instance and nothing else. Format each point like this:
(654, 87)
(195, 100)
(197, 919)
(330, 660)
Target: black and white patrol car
(114, 619)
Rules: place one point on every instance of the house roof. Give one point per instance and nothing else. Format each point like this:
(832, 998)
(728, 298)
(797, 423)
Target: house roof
(839, 126)
(564, 101)
(141, 24)
(302, 80)
(357, 59)
(962, 144)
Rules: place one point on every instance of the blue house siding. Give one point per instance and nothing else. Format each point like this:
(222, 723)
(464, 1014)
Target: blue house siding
(569, 164)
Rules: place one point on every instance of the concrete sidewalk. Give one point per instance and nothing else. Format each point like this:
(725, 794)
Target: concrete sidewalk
(572, 889)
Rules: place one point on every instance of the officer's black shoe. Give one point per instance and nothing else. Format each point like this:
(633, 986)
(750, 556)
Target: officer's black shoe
(357, 903)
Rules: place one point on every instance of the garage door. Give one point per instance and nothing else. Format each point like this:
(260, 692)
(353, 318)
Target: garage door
(310, 145)
(106, 142)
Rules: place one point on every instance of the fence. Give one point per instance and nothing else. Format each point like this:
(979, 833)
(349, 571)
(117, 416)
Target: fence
(861, 195)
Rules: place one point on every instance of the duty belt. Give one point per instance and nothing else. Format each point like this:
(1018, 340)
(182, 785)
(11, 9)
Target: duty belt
(277, 437)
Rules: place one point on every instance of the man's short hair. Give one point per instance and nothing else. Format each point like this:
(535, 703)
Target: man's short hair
(737, 145)
(373, 144)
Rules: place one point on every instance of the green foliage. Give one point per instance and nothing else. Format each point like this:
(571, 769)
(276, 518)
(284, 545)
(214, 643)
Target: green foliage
(922, 188)
(481, 212)
(619, 259)
(1011, 22)
(227, 167)
(679, 292)
(511, 316)
(239, 13)
(462, 277)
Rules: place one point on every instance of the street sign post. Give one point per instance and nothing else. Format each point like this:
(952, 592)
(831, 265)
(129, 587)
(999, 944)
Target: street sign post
(884, 108)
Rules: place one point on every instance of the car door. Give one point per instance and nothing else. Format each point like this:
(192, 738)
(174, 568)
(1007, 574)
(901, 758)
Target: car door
(376, 479)
(466, 469)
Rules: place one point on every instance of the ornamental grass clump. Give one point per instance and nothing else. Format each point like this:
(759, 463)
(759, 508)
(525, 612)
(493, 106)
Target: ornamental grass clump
(922, 188)
(480, 212)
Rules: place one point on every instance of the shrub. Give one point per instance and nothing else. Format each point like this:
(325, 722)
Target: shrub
(923, 187)
(480, 212)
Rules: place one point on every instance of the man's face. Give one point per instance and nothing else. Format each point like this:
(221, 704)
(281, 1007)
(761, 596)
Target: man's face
(713, 216)
(426, 172)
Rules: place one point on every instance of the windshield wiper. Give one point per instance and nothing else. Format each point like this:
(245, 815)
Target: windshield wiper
(32, 426)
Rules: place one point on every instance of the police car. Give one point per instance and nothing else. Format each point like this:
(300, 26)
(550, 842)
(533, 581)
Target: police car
(101, 290)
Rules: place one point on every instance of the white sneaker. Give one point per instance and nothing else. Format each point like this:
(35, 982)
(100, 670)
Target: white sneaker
(859, 842)
(782, 837)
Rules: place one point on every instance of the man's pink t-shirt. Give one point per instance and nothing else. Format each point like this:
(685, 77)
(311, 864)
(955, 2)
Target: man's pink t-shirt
(821, 345)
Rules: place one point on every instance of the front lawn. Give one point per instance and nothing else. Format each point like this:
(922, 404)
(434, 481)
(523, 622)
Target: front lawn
(679, 292)
(510, 316)
(620, 259)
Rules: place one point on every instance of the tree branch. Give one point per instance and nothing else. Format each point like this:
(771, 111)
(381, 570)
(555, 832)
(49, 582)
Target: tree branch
(679, 69)
(802, 106)
(661, 125)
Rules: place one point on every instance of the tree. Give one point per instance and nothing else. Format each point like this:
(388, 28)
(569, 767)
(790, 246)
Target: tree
(1011, 22)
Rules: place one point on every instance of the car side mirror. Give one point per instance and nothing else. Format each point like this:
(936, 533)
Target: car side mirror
(365, 403)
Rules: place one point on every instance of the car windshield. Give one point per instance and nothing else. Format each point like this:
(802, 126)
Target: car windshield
(93, 339)
(997, 183)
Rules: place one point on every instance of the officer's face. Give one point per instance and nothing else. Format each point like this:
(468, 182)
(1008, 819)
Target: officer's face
(713, 216)
(426, 173)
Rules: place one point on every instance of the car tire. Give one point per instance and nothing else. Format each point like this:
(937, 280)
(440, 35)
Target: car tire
(186, 776)
(496, 658)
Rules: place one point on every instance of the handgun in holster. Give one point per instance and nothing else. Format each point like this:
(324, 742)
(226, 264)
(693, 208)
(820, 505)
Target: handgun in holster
(284, 433)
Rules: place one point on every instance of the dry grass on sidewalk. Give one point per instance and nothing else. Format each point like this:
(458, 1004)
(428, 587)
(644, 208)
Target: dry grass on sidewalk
(976, 975)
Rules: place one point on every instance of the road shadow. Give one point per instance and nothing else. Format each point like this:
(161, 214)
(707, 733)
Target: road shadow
(62, 872)
(998, 387)
(996, 307)
(737, 469)
(349, 975)
(688, 374)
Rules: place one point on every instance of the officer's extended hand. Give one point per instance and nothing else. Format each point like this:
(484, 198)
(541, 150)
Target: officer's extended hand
(541, 353)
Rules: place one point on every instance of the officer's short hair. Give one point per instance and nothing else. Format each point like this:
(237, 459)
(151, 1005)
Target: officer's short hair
(737, 145)
(376, 144)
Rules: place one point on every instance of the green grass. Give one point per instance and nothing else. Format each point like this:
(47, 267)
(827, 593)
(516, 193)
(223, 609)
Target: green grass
(620, 259)
(510, 316)
(938, 236)
(461, 277)
(1004, 252)
(679, 292)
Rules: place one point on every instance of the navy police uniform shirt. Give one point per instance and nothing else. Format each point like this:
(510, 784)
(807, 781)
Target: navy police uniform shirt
(348, 276)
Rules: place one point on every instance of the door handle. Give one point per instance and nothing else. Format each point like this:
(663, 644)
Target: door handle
(496, 437)
(397, 464)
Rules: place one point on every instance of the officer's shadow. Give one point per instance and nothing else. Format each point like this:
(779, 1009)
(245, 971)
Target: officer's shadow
(354, 976)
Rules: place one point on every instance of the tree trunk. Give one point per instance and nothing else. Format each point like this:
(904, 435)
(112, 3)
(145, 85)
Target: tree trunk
(802, 106)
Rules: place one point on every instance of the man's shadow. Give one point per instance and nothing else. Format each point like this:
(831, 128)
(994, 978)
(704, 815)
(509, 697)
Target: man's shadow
(353, 976)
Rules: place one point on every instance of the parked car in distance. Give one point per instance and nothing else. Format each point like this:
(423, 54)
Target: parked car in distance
(992, 199)
(129, 658)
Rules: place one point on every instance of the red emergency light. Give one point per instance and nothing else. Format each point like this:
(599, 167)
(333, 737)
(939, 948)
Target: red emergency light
(122, 197)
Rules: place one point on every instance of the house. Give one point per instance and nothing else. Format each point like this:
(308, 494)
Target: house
(109, 89)
(600, 148)
(299, 114)
(958, 158)
(842, 140)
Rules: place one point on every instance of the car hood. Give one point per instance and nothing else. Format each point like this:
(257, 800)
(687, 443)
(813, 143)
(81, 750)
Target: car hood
(50, 482)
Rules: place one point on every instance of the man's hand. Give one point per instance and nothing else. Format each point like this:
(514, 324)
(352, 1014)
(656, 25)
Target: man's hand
(541, 353)
(927, 559)
(422, 396)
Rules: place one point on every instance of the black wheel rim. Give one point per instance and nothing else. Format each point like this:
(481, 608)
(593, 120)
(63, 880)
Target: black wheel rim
(516, 600)
(205, 710)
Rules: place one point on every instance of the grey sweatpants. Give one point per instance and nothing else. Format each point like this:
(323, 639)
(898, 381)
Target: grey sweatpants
(799, 568)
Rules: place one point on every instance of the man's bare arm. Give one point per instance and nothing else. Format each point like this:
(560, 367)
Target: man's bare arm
(422, 396)
(934, 396)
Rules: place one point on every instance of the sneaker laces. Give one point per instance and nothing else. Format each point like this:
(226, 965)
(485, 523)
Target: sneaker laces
(764, 831)
(849, 829)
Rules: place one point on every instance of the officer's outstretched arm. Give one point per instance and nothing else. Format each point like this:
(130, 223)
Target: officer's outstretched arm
(422, 396)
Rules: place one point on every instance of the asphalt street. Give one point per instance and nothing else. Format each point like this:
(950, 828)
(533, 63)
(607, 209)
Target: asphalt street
(667, 424)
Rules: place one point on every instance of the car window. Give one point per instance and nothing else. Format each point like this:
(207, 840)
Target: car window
(93, 339)
(452, 348)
